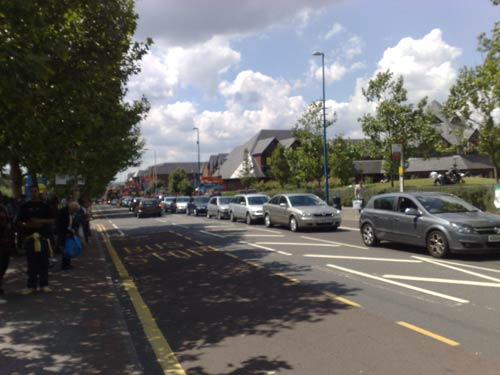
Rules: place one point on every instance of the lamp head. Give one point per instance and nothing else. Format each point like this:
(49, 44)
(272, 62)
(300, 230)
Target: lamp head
(317, 53)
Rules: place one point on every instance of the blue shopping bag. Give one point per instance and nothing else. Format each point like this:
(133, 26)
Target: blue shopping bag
(72, 247)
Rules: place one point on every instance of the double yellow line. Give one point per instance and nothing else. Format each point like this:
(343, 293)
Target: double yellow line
(164, 354)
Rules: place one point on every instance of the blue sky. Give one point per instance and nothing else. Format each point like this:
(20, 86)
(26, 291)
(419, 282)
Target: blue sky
(233, 67)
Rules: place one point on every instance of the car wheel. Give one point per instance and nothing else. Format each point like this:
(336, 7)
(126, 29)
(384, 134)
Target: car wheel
(160, 214)
(294, 226)
(231, 217)
(437, 244)
(267, 221)
(334, 228)
(248, 219)
(368, 235)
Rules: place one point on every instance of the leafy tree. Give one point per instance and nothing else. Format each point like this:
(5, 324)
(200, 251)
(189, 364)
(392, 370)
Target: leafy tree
(306, 160)
(175, 180)
(343, 153)
(65, 65)
(396, 121)
(278, 165)
(476, 95)
(185, 187)
(247, 173)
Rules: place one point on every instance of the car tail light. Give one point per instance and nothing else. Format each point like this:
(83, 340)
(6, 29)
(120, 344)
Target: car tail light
(159, 206)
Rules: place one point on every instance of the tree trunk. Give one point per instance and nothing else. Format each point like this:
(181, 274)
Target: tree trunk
(16, 177)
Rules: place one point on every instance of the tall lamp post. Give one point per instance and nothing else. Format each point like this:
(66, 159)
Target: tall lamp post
(325, 152)
(198, 144)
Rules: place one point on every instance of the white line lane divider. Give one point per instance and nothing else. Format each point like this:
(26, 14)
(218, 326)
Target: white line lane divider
(349, 228)
(407, 286)
(442, 264)
(118, 229)
(362, 258)
(444, 281)
(212, 234)
(266, 248)
(335, 243)
(297, 244)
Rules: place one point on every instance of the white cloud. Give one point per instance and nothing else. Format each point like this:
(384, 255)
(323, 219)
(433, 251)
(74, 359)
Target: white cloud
(165, 70)
(426, 64)
(353, 47)
(336, 29)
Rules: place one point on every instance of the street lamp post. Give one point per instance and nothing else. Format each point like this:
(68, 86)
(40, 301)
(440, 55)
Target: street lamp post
(325, 152)
(198, 144)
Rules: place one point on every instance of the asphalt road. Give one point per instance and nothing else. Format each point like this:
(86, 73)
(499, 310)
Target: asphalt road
(229, 298)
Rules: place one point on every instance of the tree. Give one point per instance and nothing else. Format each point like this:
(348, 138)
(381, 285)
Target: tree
(247, 173)
(476, 95)
(343, 153)
(278, 165)
(175, 181)
(396, 121)
(306, 160)
(65, 66)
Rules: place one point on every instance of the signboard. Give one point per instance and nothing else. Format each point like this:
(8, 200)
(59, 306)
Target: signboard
(396, 149)
(496, 202)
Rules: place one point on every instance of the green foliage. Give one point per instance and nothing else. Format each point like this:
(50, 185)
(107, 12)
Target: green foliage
(65, 65)
(396, 121)
(306, 160)
(476, 95)
(185, 187)
(174, 182)
(279, 168)
(343, 153)
(247, 174)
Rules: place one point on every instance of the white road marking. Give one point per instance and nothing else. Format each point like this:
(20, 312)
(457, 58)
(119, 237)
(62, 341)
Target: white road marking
(267, 230)
(118, 229)
(467, 265)
(265, 248)
(162, 220)
(298, 244)
(263, 235)
(445, 281)
(218, 226)
(229, 229)
(362, 258)
(442, 264)
(212, 234)
(407, 286)
(348, 228)
(336, 243)
(181, 226)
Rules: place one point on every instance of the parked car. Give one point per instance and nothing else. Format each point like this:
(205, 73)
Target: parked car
(299, 211)
(179, 204)
(125, 201)
(149, 207)
(219, 207)
(167, 203)
(247, 207)
(443, 223)
(197, 206)
(133, 204)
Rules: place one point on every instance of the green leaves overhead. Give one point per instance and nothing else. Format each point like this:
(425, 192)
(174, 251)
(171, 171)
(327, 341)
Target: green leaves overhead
(66, 64)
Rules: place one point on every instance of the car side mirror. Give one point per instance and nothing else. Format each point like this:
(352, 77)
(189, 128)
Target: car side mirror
(242, 203)
(282, 204)
(412, 212)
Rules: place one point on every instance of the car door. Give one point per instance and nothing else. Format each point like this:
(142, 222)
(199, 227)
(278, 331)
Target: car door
(271, 208)
(238, 207)
(383, 216)
(281, 214)
(212, 206)
(407, 228)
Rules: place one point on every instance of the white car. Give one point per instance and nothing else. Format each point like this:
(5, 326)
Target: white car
(247, 207)
(179, 204)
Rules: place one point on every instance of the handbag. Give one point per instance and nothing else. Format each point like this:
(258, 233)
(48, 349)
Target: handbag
(72, 247)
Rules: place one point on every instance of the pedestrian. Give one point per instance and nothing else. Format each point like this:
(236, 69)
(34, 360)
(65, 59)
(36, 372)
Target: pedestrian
(69, 224)
(6, 242)
(358, 194)
(86, 213)
(34, 218)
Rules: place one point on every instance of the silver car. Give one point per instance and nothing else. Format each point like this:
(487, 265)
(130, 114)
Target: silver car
(299, 211)
(247, 207)
(443, 223)
(219, 207)
(179, 204)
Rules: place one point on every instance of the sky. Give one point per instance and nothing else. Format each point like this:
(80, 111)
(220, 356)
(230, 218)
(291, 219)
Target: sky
(233, 67)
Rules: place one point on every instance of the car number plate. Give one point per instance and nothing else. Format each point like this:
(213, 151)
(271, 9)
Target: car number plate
(494, 238)
(324, 221)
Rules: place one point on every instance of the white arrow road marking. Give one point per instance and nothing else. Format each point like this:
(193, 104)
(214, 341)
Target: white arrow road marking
(407, 286)
(362, 258)
(445, 281)
(442, 264)
(298, 244)
(335, 243)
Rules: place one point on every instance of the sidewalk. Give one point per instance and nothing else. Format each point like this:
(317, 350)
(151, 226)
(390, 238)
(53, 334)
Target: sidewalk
(76, 329)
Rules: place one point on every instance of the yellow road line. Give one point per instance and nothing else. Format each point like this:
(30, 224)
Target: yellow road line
(159, 257)
(164, 354)
(428, 333)
(341, 299)
(148, 247)
(289, 278)
(159, 246)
